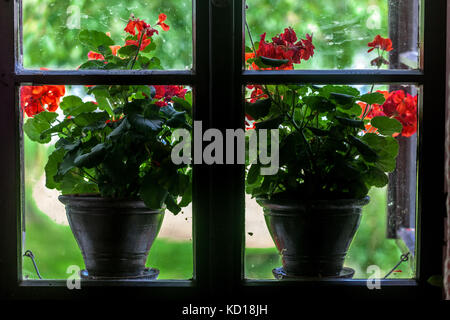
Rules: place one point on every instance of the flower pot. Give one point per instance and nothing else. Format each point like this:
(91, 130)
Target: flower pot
(114, 235)
(312, 237)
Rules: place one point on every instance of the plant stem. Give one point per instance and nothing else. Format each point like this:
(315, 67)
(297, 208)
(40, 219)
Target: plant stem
(138, 49)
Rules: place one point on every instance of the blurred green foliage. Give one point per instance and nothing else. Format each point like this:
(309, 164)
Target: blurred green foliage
(341, 32)
(50, 29)
(341, 29)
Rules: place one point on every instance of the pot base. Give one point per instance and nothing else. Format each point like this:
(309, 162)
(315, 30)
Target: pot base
(280, 274)
(148, 274)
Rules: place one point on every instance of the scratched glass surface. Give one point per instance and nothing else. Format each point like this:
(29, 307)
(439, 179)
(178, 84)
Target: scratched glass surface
(51, 30)
(388, 222)
(340, 30)
(47, 232)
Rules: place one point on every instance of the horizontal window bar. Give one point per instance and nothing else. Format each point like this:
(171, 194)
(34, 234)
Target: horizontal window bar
(345, 283)
(119, 77)
(111, 283)
(334, 76)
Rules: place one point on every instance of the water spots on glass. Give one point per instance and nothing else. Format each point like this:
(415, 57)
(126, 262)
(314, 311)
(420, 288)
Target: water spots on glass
(61, 21)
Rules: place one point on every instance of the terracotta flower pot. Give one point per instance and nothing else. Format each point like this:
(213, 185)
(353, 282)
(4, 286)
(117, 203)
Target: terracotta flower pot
(115, 236)
(313, 237)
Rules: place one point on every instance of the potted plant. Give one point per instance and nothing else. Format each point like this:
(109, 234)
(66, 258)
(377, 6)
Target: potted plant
(112, 156)
(335, 143)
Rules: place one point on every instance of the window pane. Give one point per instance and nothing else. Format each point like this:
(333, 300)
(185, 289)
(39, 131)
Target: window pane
(55, 33)
(133, 127)
(327, 155)
(340, 30)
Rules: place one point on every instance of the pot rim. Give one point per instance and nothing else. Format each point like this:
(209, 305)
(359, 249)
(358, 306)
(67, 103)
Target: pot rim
(98, 202)
(293, 204)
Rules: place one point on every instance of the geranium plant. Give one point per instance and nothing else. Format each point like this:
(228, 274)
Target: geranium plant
(335, 142)
(118, 142)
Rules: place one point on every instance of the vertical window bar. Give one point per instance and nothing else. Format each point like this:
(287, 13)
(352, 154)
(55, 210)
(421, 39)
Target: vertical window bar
(10, 159)
(200, 187)
(431, 141)
(403, 23)
(227, 183)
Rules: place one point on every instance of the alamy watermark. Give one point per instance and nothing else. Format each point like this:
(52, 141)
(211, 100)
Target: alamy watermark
(234, 140)
(73, 280)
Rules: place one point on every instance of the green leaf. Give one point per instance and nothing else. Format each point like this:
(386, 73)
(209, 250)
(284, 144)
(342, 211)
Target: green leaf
(151, 193)
(272, 123)
(69, 103)
(273, 62)
(259, 109)
(436, 280)
(94, 39)
(74, 184)
(344, 100)
(386, 126)
(376, 177)
(58, 128)
(38, 124)
(172, 205)
(253, 173)
(144, 125)
(51, 168)
(351, 122)
(175, 119)
(319, 132)
(319, 103)
(386, 148)
(92, 158)
(88, 118)
(182, 104)
(127, 51)
(346, 90)
(372, 98)
(186, 197)
(93, 65)
(369, 154)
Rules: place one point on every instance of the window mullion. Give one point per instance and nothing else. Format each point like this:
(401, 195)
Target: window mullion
(226, 112)
(10, 159)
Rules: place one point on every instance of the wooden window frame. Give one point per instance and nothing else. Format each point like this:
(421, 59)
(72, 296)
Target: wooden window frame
(218, 79)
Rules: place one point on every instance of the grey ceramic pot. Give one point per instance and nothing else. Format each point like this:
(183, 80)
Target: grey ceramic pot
(312, 237)
(115, 236)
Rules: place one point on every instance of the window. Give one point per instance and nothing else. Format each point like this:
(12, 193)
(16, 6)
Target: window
(217, 78)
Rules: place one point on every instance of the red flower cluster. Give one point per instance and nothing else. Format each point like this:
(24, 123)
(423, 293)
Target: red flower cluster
(98, 56)
(144, 30)
(286, 46)
(165, 93)
(384, 44)
(402, 107)
(257, 93)
(398, 105)
(35, 99)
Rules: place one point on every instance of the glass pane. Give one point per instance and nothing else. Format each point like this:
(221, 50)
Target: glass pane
(324, 150)
(55, 33)
(112, 143)
(340, 30)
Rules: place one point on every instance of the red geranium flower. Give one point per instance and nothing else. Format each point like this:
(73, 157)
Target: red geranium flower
(161, 18)
(144, 30)
(257, 93)
(402, 107)
(398, 105)
(286, 46)
(36, 99)
(384, 44)
(95, 56)
(167, 92)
